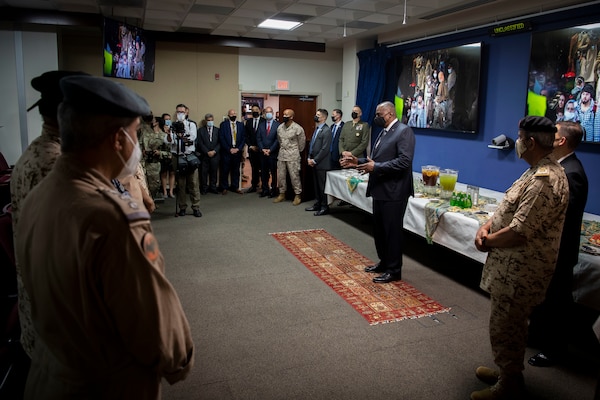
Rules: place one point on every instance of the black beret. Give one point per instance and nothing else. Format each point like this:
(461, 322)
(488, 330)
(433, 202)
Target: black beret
(537, 124)
(48, 85)
(96, 95)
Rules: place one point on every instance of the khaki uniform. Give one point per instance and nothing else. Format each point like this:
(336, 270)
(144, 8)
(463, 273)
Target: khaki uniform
(517, 277)
(355, 138)
(110, 325)
(151, 141)
(292, 140)
(33, 166)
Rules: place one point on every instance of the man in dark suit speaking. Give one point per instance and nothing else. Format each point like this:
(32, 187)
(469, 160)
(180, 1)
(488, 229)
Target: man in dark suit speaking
(390, 185)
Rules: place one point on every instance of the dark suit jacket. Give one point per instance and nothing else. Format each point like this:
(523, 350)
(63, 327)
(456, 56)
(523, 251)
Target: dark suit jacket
(225, 138)
(320, 149)
(268, 141)
(203, 144)
(335, 143)
(578, 193)
(251, 134)
(392, 180)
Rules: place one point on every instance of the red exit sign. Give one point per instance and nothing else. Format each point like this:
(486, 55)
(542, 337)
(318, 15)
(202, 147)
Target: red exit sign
(282, 85)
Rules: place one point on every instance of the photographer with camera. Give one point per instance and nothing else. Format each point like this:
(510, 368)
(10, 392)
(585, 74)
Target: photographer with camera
(184, 132)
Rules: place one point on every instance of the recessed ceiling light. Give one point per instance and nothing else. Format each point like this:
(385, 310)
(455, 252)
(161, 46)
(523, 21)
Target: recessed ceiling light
(279, 24)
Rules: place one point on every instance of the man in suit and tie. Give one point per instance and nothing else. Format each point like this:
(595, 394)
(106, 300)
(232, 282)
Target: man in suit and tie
(336, 129)
(319, 158)
(268, 146)
(390, 185)
(209, 146)
(549, 333)
(254, 153)
(231, 138)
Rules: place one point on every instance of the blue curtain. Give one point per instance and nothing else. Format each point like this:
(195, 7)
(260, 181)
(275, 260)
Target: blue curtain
(371, 82)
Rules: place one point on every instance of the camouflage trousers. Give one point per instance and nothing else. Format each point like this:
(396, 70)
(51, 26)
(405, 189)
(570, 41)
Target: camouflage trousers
(153, 177)
(508, 333)
(293, 169)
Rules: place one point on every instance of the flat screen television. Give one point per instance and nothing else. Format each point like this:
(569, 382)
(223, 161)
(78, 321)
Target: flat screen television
(563, 77)
(128, 51)
(439, 89)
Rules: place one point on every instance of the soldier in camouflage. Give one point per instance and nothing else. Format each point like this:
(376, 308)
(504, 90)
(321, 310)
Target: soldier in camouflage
(522, 238)
(292, 140)
(33, 166)
(153, 150)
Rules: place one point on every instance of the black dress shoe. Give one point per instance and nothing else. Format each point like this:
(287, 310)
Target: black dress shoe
(224, 192)
(181, 213)
(215, 191)
(264, 193)
(374, 268)
(324, 211)
(251, 190)
(386, 277)
(313, 208)
(203, 192)
(197, 213)
(541, 360)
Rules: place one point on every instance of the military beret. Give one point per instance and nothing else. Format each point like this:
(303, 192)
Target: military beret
(537, 124)
(96, 95)
(48, 85)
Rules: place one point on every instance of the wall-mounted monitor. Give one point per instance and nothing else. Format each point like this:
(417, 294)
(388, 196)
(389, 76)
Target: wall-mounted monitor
(563, 77)
(440, 88)
(128, 51)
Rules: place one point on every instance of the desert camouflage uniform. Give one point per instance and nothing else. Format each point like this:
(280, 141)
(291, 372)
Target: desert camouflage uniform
(33, 166)
(151, 141)
(517, 278)
(355, 137)
(292, 140)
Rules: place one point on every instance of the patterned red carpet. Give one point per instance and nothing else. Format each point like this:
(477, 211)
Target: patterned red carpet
(340, 267)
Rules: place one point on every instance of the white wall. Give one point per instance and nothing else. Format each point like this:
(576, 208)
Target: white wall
(26, 55)
(314, 74)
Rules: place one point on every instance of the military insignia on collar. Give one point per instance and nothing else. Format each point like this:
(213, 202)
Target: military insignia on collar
(359, 128)
(542, 171)
(150, 247)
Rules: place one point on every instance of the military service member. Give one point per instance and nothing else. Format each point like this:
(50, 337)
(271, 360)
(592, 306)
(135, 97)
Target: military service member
(109, 323)
(33, 166)
(355, 134)
(151, 141)
(292, 140)
(522, 239)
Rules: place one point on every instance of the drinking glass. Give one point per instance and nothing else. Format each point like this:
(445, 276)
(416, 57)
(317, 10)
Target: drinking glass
(430, 177)
(448, 178)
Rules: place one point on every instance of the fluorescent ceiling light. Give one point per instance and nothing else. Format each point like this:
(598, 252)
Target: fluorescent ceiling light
(279, 24)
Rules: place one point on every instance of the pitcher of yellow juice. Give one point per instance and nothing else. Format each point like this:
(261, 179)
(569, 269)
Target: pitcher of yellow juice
(448, 178)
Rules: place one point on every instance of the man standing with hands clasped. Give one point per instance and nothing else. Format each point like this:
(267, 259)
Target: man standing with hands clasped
(319, 158)
(522, 240)
(390, 185)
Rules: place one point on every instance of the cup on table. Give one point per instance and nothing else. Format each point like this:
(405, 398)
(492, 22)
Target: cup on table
(430, 177)
(448, 178)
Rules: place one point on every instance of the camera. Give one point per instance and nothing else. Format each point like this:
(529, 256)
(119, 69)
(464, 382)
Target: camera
(178, 127)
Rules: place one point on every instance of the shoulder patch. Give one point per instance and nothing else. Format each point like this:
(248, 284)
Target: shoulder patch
(542, 171)
(150, 247)
(132, 210)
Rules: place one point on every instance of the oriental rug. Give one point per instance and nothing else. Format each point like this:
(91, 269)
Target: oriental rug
(342, 269)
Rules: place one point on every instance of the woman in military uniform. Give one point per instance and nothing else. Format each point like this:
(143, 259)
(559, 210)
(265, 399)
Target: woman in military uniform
(153, 150)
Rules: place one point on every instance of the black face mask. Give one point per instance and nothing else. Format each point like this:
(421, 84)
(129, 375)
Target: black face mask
(286, 120)
(333, 118)
(379, 121)
(232, 117)
(255, 114)
(316, 118)
(354, 115)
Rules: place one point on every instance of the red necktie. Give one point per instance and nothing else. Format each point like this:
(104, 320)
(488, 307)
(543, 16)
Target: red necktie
(268, 127)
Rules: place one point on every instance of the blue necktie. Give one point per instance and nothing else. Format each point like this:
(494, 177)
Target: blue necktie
(312, 141)
(333, 138)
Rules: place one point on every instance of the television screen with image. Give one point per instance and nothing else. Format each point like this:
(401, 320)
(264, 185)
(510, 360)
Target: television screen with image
(563, 81)
(128, 52)
(439, 89)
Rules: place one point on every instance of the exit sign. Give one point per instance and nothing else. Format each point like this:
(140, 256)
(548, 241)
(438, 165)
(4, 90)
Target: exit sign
(282, 85)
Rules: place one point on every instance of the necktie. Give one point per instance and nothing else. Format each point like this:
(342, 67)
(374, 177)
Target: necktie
(312, 141)
(233, 132)
(333, 130)
(381, 135)
(210, 134)
(255, 124)
(268, 127)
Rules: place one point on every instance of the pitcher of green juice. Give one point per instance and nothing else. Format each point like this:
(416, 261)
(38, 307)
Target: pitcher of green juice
(448, 178)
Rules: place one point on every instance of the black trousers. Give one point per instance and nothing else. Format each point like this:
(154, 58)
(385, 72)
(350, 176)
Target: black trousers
(208, 173)
(320, 175)
(230, 166)
(255, 163)
(388, 235)
(268, 169)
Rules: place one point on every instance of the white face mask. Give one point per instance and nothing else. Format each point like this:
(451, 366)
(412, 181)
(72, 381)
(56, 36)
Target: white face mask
(520, 148)
(180, 116)
(130, 167)
(569, 116)
(269, 116)
(210, 124)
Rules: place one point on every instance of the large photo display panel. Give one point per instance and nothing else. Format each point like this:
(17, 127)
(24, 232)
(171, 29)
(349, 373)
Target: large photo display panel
(563, 77)
(128, 52)
(440, 88)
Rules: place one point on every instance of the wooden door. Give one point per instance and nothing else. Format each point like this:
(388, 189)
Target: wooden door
(305, 108)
